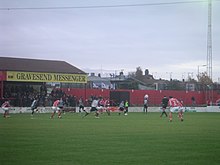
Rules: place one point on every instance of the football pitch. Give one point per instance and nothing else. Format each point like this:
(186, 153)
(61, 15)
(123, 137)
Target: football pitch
(136, 139)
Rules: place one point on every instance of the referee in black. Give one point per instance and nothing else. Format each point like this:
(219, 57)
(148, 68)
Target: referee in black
(165, 101)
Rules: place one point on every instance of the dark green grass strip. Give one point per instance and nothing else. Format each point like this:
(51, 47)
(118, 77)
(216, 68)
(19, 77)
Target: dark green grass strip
(126, 140)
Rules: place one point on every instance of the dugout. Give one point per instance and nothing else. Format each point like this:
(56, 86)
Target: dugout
(118, 96)
(33, 75)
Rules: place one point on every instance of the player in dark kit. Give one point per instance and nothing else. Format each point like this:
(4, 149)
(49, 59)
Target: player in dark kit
(165, 101)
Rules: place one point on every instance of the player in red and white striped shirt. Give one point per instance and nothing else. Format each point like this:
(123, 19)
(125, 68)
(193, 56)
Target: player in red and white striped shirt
(175, 106)
(57, 106)
(6, 106)
(107, 106)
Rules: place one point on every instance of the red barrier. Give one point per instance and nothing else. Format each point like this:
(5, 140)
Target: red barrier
(155, 96)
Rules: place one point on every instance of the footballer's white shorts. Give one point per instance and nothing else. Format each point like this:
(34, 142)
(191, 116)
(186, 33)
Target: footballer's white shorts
(55, 109)
(5, 108)
(176, 109)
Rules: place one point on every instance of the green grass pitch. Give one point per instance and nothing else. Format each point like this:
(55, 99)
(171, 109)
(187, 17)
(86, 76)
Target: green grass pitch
(136, 139)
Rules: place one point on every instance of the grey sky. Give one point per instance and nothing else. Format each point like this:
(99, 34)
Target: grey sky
(161, 38)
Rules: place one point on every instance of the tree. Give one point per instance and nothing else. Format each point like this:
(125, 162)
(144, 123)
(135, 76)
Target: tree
(205, 79)
(139, 73)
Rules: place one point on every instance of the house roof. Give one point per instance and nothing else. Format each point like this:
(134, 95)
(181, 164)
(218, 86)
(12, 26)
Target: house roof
(36, 65)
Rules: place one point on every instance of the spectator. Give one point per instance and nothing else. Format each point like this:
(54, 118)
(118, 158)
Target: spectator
(193, 101)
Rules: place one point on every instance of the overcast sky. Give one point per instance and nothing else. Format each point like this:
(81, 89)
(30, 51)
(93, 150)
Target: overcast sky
(168, 39)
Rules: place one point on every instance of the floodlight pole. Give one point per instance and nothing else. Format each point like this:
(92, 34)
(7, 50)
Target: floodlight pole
(209, 46)
(209, 41)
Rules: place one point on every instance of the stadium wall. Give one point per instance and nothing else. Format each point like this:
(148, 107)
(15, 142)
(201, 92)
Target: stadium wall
(155, 96)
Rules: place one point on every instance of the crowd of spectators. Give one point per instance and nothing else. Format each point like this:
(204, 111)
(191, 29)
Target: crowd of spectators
(22, 96)
(69, 100)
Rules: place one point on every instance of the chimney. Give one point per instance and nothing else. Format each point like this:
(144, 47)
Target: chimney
(146, 72)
